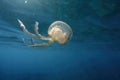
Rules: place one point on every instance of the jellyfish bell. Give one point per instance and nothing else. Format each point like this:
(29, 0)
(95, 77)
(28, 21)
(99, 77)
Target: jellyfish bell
(60, 32)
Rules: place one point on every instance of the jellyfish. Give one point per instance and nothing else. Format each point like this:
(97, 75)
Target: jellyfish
(58, 31)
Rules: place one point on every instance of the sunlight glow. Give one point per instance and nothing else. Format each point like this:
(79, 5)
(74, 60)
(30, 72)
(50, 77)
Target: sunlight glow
(26, 1)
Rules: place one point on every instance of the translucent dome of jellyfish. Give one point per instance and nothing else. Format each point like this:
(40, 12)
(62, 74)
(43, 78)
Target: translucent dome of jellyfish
(58, 31)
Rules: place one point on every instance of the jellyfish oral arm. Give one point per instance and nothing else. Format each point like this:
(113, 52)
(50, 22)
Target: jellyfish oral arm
(26, 31)
(43, 44)
(36, 28)
(38, 45)
(36, 36)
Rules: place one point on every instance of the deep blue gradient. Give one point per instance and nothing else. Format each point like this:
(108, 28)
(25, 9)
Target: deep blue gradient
(92, 54)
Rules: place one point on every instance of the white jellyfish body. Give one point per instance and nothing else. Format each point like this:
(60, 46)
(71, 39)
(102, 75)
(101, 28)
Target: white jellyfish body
(58, 31)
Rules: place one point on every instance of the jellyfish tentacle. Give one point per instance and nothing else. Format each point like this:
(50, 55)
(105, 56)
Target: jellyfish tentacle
(43, 44)
(32, 42)
(38, 45)
(36, 28)
(26, 31)
(25, 42)
(36, 35)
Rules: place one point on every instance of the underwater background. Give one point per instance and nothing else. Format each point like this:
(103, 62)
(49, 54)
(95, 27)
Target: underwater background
(93, 53)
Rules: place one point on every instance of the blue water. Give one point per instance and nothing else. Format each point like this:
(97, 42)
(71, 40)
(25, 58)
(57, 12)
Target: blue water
(92, 54)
